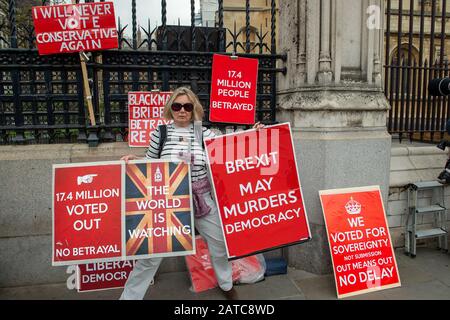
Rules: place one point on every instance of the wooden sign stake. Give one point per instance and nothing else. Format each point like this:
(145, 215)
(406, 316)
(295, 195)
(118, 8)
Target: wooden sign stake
(87, 90)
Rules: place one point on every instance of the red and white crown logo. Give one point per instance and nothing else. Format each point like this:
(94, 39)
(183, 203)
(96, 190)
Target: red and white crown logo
(158, 175)
(353, 207)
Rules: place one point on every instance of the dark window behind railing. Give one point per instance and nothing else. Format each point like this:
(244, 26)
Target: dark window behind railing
(417, 50)
(41, 97)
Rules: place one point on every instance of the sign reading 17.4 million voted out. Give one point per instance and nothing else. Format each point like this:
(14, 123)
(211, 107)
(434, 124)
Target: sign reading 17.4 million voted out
(233, 89)
(258, 190)
(360, 244)
(87, 212)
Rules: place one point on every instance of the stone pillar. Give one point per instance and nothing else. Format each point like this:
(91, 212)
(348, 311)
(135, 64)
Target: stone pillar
(332, 96)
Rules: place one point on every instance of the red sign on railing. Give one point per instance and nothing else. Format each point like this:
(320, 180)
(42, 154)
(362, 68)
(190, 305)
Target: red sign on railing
(145, 114)
(75, 27)
(233, 89)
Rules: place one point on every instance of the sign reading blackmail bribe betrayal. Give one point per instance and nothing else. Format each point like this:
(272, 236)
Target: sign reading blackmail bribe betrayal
(359, 239)
(87, 212)
(258, 190)
(145, 114)
(159, 218)
(233, 89)
(103, 275)
(75, 27)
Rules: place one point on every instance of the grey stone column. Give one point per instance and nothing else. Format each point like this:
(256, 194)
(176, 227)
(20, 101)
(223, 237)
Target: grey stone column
(332, 96)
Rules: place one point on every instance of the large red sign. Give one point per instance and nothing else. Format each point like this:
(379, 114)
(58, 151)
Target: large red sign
(87, 212)
(258, 190)
(359, 239)
(75, 27)
(145, 114)
(233, 89)
(103, 275)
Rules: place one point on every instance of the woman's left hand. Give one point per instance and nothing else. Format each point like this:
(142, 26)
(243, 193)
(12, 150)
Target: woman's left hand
(258, 126)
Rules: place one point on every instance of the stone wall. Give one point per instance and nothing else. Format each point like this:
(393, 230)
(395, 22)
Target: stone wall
(408, 165)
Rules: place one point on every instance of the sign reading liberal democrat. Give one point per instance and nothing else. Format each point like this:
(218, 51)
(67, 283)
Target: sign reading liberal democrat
(75, 27)
(159, 216)
(103, 275)
(258, 190)
(359, 239)
(87, 212)
(233, 89)
(145, 114)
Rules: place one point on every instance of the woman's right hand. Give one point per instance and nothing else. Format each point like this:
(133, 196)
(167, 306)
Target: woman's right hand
(129, 157)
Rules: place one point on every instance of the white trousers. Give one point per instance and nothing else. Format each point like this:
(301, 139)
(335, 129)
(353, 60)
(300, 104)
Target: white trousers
(210, 229)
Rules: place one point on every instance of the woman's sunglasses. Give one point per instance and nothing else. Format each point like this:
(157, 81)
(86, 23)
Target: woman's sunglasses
(188, 107)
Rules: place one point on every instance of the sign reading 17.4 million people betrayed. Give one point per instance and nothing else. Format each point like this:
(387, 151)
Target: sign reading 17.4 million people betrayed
(258, 191)
(233, 89)
(75, 27)
(360, 243)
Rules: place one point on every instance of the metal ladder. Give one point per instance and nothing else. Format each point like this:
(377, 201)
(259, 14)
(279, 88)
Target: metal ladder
(437, 209)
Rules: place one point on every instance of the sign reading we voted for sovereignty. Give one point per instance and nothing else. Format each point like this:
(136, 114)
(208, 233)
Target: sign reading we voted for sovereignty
(258, 190)
(159, 218)
(233, 89)
(75, 27)
(87, 212)
(360, 243)
(145, 114)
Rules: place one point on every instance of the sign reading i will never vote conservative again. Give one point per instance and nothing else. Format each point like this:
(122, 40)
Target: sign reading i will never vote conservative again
(75, 27)
(258, 191)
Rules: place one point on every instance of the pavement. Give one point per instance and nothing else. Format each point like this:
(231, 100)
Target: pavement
(426, 277)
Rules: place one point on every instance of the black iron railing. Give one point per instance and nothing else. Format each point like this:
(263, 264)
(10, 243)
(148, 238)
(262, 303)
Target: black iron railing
(414, 32)
(41, 97)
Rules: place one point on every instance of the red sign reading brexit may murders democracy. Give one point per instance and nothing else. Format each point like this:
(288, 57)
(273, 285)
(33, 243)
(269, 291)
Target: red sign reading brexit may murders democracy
(359, 239)
(258, 190)
(87, 207)
(233, 89)
(75, 27)
(145, 114)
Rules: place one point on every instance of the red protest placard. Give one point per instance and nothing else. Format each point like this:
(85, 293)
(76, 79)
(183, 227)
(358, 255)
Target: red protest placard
(260, 208)
(75, 27)
(103, 275)
(87, 212)
(159, 219)
(145, 114)
(233, 90)
(359, 239)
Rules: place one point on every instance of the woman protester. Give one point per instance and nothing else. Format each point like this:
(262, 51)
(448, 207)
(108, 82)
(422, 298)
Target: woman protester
(181, 143)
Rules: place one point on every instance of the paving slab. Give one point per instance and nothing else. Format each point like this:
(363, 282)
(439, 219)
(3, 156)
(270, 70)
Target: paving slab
(318, 288)
(168, 286)
(431, 290)
(426, 277)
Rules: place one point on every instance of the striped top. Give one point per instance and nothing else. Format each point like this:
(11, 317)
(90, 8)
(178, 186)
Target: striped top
(177, 148)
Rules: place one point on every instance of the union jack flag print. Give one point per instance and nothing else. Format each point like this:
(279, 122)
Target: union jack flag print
(158, 219)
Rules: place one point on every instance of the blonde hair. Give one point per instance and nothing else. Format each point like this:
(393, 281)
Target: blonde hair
(197, 113)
